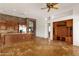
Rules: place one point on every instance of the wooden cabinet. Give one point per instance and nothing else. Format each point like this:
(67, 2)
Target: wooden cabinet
(9, 26)
(16, 37)
(69, 23)
(63, 30)
(68, 40)
(8, 23)
(12, 25)
(2, 25)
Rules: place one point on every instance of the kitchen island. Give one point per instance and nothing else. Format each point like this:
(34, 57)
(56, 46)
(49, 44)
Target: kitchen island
(11, 38)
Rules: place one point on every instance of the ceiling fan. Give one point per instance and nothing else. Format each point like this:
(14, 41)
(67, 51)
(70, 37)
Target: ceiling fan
(51, 6)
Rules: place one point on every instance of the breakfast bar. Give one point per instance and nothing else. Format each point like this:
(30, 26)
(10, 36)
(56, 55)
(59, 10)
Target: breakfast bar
(11, 38)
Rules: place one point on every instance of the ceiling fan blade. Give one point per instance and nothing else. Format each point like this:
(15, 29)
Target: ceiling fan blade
(55, 8)
(51, 6)
(48, 9)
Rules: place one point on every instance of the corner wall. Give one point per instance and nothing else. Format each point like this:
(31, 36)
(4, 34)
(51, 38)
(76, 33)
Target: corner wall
(76, 26)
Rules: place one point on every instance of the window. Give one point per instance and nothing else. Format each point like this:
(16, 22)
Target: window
(22, 29)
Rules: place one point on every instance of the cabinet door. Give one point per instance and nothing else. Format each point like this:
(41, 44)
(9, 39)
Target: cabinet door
(69, 40)
(62, 31)
(69, 23)
(2, 26)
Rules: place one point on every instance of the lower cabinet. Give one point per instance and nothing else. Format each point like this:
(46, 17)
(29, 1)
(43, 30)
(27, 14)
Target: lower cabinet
(15, 38)
(69, 40)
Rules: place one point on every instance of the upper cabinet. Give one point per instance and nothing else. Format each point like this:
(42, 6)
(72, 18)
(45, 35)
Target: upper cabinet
(17, 24)
(10, 23)
(69, 23)
(2, 25)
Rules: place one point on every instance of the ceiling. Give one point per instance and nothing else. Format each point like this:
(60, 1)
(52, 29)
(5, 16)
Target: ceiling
(32, 10)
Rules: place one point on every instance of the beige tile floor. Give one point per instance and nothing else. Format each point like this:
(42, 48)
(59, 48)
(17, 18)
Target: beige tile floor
(39, 47)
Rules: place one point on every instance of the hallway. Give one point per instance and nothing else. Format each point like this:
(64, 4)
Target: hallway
(40, 47)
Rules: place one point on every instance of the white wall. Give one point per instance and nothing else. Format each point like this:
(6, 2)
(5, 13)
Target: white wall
(41, 28)
(76, 26)
(42, 24)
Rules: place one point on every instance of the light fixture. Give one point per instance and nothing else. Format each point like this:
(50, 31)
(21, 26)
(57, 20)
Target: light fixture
(51, 6)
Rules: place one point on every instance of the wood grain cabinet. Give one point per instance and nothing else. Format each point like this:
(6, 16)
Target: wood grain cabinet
(63, 30)
(16, 37)
(69, 23)
(68, 40)
(9, 29)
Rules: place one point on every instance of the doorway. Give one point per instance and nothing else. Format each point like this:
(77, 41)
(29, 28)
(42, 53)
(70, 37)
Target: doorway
(63, 31)
(48, 30)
